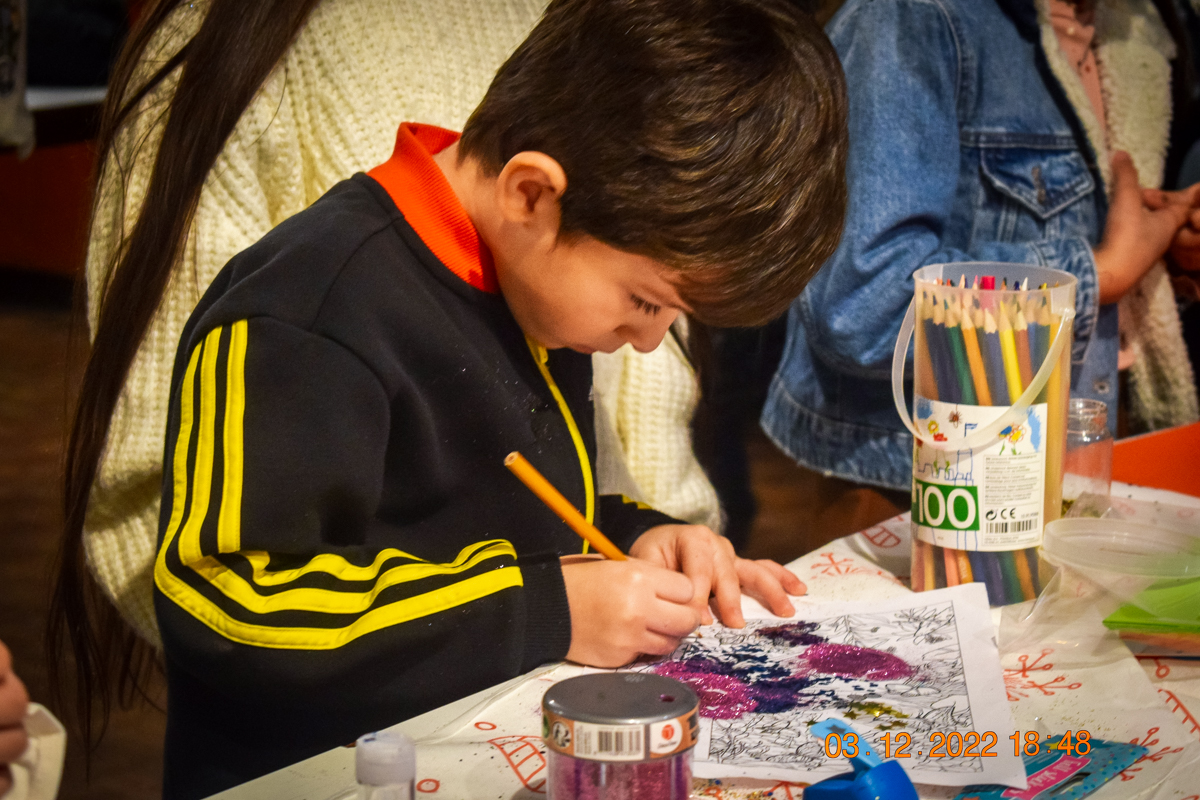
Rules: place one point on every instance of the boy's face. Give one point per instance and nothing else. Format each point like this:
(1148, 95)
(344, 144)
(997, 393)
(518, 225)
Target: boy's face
(590, 297)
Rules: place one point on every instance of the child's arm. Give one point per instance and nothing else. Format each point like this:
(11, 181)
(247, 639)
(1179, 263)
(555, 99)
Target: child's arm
(269, 573)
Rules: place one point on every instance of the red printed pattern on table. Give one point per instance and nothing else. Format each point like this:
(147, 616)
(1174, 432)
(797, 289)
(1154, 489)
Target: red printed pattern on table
(527, 758)
(1019, 683)
(881, 537)
(1150, 741)
(832, 566)
(1179, 709)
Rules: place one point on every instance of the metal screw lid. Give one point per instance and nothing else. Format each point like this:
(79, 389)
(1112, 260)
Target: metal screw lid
(620, 698)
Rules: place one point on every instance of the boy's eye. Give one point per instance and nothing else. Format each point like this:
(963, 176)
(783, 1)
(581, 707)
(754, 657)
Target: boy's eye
(645, 306)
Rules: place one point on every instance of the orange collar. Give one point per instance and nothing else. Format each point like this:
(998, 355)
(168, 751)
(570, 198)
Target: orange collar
(423, 195)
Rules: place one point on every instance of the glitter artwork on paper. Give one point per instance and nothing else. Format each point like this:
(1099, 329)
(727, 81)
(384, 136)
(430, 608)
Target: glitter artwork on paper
(889, 671)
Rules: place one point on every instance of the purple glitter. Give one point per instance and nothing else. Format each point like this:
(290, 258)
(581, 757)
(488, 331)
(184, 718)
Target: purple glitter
(848, 661)
(721, 696)
(727, 691)
(796, 633)
(667, 778)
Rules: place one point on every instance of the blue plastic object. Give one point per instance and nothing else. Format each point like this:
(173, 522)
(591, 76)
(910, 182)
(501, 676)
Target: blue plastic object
(872, 778)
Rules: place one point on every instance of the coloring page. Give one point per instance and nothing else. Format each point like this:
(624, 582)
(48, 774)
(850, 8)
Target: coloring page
(918, 676)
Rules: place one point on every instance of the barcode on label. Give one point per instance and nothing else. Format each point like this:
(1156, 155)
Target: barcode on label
(1012, 527)
(609, 742)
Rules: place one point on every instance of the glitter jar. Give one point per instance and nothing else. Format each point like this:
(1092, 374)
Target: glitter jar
(619, 736)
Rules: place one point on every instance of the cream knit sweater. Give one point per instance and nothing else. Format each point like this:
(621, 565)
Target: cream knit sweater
(331, 108)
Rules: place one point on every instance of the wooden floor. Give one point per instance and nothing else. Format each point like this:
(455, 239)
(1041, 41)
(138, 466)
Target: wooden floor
(40, 364)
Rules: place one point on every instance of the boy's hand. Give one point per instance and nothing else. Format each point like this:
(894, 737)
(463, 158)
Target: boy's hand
(715, 570)
(13, 702)
(1141, 226)
(621, 609)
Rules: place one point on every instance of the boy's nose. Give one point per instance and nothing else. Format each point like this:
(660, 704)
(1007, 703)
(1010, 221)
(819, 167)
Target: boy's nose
(649, 335)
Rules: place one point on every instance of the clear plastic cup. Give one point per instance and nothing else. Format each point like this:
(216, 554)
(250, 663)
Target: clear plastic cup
(1087, 466)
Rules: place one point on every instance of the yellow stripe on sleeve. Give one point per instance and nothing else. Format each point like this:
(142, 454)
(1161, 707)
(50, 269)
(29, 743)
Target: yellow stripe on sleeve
(189, 537)
(179, 479)
(229, 524)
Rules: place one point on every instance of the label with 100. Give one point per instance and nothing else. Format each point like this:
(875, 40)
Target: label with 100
(950, 508)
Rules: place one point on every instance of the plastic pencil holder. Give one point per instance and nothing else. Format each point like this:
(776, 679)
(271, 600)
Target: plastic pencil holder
(991, 378)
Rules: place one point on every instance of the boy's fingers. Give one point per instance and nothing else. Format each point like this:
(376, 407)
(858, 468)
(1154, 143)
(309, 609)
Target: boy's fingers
(671, 619)
(765, 585)
(789, 580)
(697, 563)
(5, 780)
(655, 644)
(728, 593)
(674, 587)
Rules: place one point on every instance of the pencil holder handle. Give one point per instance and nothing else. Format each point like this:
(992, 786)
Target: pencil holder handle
(989, 433)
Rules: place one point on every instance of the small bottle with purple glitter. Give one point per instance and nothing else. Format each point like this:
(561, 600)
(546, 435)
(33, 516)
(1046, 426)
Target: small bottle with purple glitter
(620, 736)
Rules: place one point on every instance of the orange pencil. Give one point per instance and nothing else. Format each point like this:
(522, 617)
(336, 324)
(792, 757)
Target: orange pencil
(964, 567)
(560, 505)
(948, 555)
(975, 357)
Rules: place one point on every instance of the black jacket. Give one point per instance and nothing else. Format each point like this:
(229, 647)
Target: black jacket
(341, 546)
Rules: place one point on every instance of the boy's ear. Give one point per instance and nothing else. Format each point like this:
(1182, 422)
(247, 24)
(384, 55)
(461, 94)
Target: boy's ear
(530, 186)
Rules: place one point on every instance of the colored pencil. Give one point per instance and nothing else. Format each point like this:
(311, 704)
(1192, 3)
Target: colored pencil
(994, 578)
(975, 357)
(951, 558)
(948, 386)
(1031, 556)
(1021, 334)
(1024, 576)
(928, 567)
(965, 573)
(994, 358)
(1042, 326)
(918, 566)
(1008, 350)
(927, 369)
(1056, 423)
(958, 350)
(1008, 572)
(560, 505)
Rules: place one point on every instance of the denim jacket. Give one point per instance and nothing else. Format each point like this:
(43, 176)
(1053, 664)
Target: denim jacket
(963, 147)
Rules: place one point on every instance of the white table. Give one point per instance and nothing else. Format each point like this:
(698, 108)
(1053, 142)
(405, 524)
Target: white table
(1064, 671)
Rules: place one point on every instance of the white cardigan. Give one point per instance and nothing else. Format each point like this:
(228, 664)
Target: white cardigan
(329, 109)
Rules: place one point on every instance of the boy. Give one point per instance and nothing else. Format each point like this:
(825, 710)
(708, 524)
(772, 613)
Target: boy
(341, 547)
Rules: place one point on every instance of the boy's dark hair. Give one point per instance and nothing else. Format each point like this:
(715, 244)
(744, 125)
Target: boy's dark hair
(709, 135)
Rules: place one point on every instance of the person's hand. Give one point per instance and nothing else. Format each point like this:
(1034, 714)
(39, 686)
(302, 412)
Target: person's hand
(622, 609)
(716, 571)
(13, 703)
(1185, 249)
(1141, 226)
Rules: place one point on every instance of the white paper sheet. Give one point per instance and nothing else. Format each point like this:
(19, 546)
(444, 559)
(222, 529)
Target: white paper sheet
(957, 687)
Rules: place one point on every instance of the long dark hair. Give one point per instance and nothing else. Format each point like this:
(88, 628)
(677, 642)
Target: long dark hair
(220, 69)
